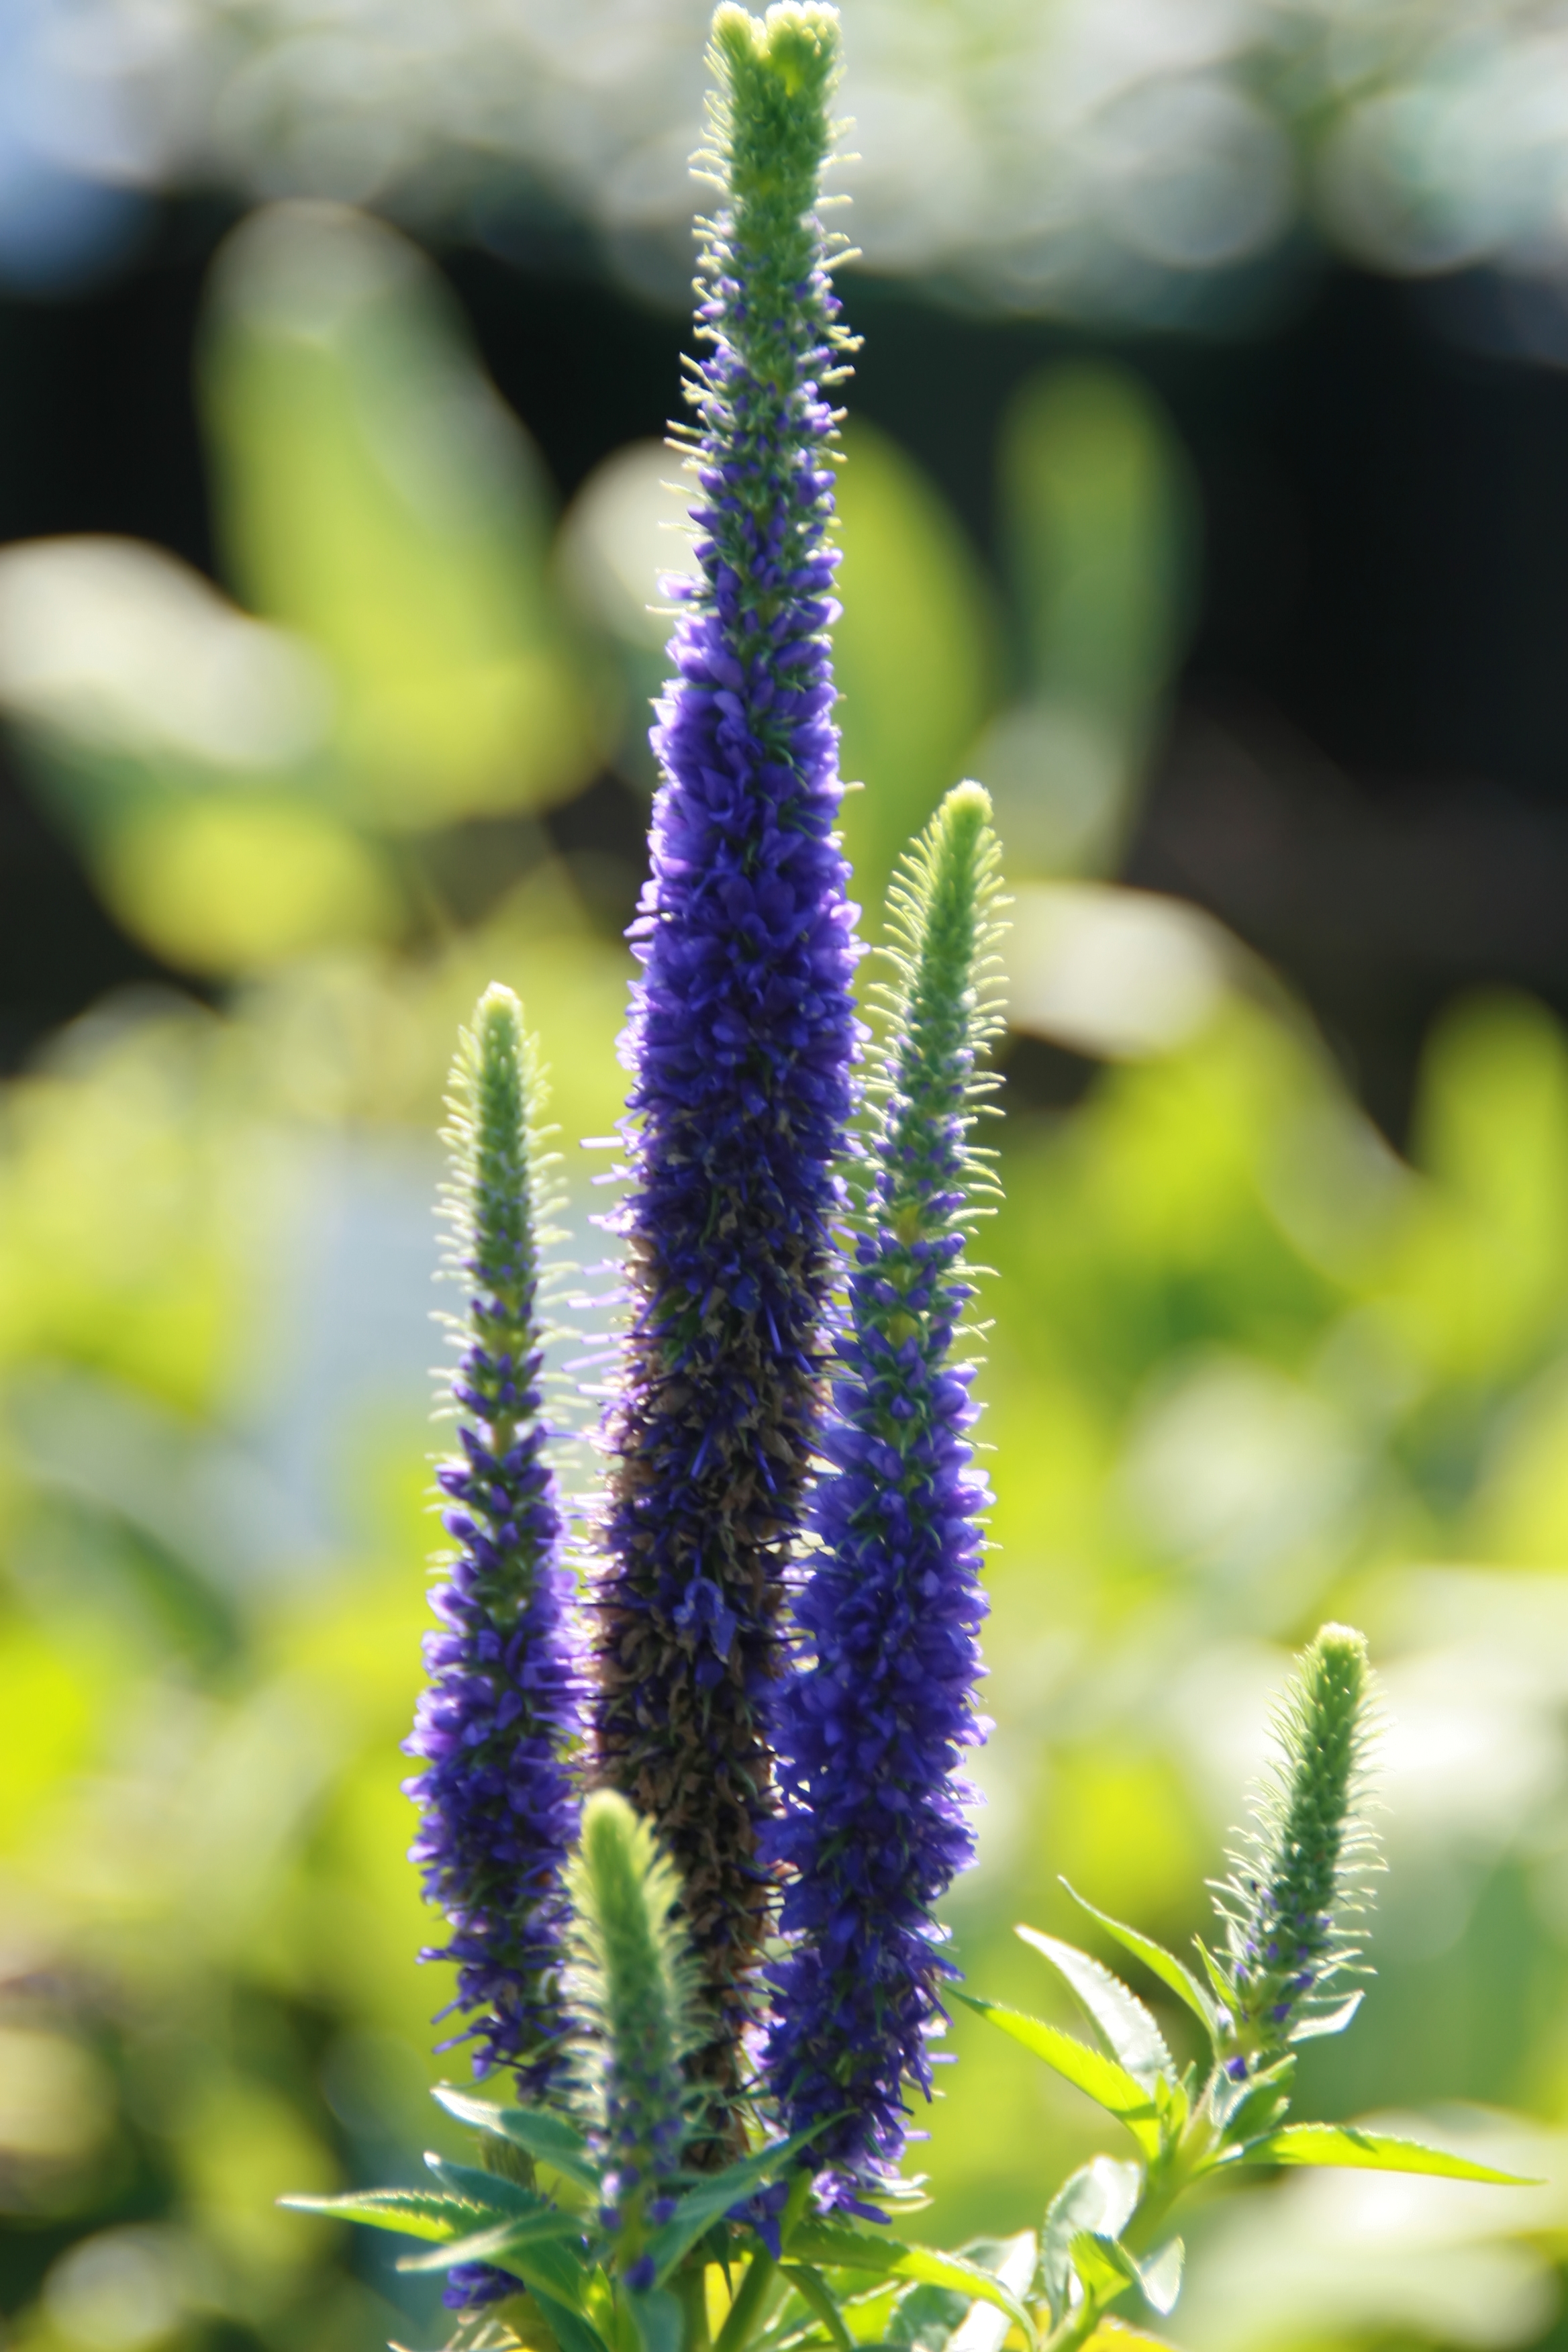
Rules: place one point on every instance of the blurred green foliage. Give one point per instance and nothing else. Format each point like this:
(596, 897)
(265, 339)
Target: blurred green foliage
(1249, 1369)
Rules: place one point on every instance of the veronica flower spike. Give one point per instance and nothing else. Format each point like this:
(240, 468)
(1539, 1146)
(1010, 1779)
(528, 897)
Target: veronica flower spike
(497, 1724)
(740, 1041)
(872, 1726)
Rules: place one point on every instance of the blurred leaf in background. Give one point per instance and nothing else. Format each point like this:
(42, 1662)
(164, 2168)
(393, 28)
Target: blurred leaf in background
(1099, 525)
(374, 494)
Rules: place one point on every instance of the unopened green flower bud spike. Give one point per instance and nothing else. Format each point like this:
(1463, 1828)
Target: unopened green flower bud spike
(632, 1982)
(1299, 1882)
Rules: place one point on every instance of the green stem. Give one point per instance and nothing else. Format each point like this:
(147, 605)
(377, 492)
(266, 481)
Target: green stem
(746, 2309)
(691, 2286)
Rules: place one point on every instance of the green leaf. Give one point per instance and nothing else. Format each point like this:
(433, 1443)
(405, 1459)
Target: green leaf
(1246, 2108)
(701, 2206)
(545, 2136)
(571, 2330)
(415, 2212)
(655, 2315)
(499, 2241)
(1223, 1989)
(1110, 2085)
(1131, 2035)
(491, 2190)
(1343, 2144)
(830, 2246)
(1013, 2263)
(934, 2269)
(1101, 2197)
(1160, 2276)
(1334, 2020)
(1161, 1963)
(1106, 2268)
(814, 2292)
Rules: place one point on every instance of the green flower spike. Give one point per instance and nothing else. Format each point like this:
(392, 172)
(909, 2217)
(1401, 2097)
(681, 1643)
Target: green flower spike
(1301, 1876)
(631, 1983)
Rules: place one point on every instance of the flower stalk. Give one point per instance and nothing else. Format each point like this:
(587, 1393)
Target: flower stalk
(740, 1041)
(873, 1723)
(502, 1713)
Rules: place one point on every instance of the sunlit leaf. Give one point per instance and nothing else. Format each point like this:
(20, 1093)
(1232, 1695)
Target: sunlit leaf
(546, 2137)
(1134, 2038)
(814, 2290)
(1160, 2276)
(1157, 1961)
(1106, 2268)
(1334, 2020)
(1110, 2085)
(935, 2269)
(416, 2212)
(500, 2239)
(1343, 2144)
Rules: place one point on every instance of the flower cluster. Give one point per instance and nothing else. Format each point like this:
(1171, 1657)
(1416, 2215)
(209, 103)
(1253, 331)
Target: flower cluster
(503, 1711)
(872, 1728)
(740, 1043)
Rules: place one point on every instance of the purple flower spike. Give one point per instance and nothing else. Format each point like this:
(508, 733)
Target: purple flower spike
(505, 1702)
(740, 1040)
(872, 1726)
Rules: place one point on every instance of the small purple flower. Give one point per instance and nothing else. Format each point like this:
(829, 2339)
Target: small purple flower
(471, 2284)
(503, 1709)
(740, 1041)
(872, 1726)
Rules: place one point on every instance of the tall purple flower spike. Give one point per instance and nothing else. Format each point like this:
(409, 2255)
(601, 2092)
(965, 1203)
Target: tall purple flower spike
(740, 1040)
(504, 1709)
(872, 1726)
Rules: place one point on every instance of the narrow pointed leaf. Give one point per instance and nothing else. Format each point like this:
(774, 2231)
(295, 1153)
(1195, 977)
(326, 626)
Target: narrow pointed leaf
(545, 2137)
(1135, 2040)
(1161, 1963)
(496, 2244)
(814, 2292)
(417, 2212)
(491, 2190)
(1308, 2029)
(829, 2245)
(1343, 2144)
(1216, 1974)
(702, 2207)
(1110, 2085)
